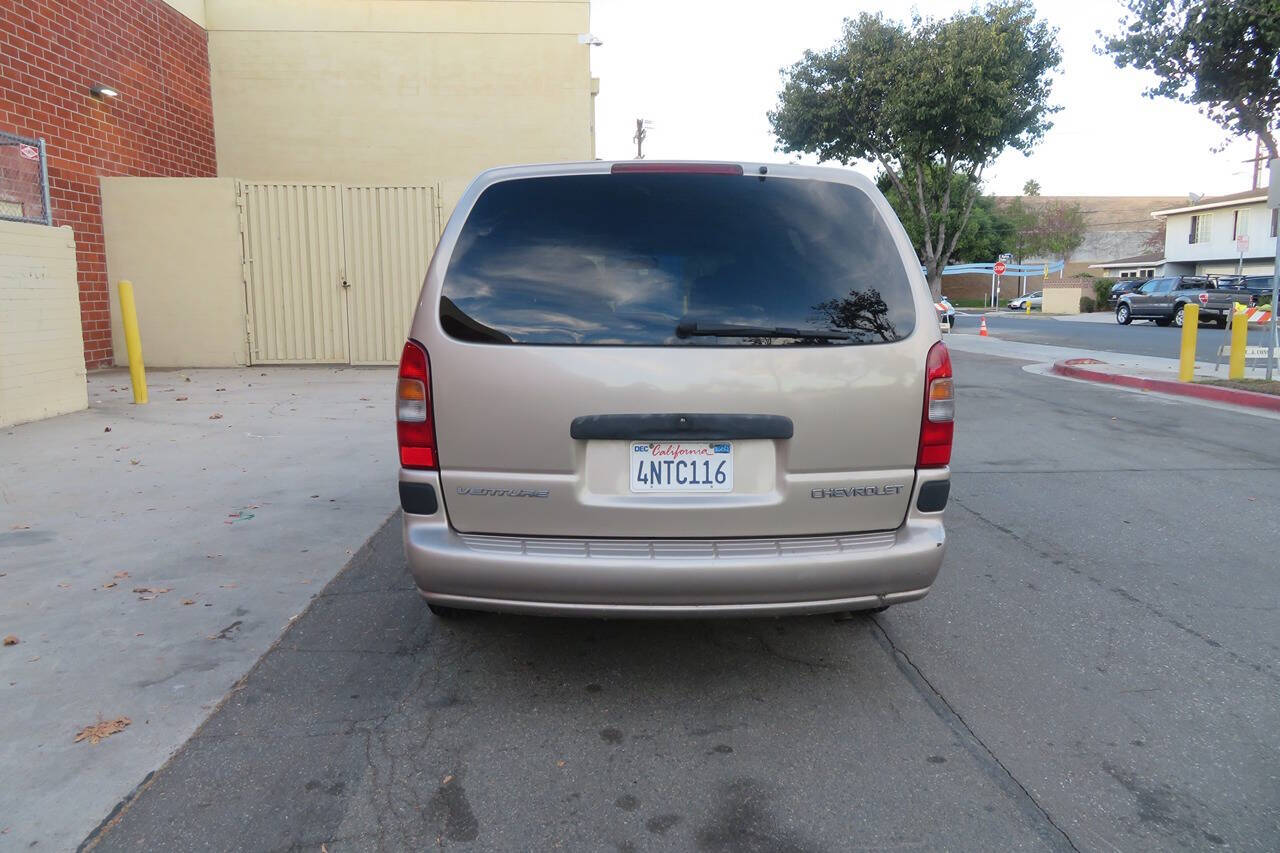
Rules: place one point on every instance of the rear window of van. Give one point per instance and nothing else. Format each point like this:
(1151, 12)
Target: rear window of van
(642, 259)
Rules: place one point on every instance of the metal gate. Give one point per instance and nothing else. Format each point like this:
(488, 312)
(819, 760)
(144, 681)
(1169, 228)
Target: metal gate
(332, 272)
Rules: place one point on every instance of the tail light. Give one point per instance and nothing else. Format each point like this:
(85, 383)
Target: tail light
(937, 423)
(415, 426)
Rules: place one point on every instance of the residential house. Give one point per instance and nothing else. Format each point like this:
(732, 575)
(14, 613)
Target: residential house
(1220, 235)
(1146, 265)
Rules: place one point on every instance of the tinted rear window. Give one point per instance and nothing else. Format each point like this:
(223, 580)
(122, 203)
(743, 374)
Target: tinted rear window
(625, 259)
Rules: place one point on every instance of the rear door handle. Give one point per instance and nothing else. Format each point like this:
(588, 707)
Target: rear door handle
(680, 427)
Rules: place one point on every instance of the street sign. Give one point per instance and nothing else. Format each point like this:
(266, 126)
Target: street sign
(1250, 353)
(999, 267)
(1242, 243)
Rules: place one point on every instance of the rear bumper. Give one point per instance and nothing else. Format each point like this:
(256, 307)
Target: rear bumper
(674, 577)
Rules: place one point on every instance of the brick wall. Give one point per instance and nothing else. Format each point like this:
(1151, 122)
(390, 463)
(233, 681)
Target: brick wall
(51, 53)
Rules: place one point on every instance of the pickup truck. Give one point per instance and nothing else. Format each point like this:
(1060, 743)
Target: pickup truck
(1252, 289)
(1163, 300)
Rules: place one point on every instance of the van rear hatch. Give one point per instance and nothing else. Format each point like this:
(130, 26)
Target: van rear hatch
(674, 354)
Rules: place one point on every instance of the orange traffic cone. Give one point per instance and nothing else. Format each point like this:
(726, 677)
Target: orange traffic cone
(982, 330)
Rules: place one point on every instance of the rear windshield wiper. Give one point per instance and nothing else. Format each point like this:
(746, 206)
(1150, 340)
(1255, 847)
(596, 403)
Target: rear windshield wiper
(730, 330)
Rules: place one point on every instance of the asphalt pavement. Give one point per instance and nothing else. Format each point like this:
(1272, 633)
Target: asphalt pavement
(1140, 337)
(1094, 670)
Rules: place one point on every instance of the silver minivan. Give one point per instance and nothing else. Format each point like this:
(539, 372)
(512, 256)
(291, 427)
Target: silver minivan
(673, 389)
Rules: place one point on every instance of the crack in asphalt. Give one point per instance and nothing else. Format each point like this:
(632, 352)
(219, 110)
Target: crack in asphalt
(1123, 594)
(984, 755)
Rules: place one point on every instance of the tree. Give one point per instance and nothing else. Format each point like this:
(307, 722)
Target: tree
(1024, 229)
(926, 101)
(981, 238)
(1060, 228)
(1031, 187)
(1221, 55)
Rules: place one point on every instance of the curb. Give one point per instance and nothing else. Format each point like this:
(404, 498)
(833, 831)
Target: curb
(1074, 369)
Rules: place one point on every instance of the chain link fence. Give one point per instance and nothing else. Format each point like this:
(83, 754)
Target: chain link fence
(24, 180)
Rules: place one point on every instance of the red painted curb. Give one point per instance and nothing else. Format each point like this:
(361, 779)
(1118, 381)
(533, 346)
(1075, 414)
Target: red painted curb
(1214, 393)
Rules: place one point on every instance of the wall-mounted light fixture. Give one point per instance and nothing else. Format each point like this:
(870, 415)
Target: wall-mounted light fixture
(100, 91)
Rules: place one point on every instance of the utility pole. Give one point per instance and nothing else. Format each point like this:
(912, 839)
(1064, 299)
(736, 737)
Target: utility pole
(1273, 202)
(642, 131)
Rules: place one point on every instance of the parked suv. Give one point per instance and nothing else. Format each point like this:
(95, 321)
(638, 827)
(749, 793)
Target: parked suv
(647, 389)
(1164, 300)
(1252, 289)
(1127, 285)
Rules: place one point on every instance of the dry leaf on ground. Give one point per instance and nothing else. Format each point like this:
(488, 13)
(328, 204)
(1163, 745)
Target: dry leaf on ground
(109, 585)
(188, 601)
(215, 416)
(20, 527)
(135, 461)
(102, 729)
(147, 593)
(181, 398)
(11, 640)
(120, 575)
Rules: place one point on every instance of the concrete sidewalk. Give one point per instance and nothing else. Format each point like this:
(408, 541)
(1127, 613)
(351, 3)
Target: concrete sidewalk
(149, 555)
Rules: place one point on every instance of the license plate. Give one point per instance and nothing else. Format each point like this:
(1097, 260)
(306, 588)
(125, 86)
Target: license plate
(681, 466)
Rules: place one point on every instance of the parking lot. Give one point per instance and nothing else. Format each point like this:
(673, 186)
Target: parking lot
(1094, 670)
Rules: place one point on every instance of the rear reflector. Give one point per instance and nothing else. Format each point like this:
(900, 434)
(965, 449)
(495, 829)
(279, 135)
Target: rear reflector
(937, 422)
(677, 168)
(415, 426)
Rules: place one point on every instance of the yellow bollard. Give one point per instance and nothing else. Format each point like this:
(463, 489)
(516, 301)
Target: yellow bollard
(129, 315)
(1187, 359)
(1027, 305)
(1239, 337)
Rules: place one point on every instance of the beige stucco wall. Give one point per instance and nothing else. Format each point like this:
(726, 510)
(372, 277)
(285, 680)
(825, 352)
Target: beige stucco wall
(41, 347)
(1064, 297)
(193, 9)
(397, 91)
(178, 241)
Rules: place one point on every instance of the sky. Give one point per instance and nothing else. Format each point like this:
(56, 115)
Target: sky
(705, 72)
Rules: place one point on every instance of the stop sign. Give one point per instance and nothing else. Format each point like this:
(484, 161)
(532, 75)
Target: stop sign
(999, 267)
